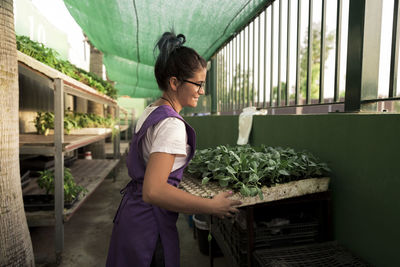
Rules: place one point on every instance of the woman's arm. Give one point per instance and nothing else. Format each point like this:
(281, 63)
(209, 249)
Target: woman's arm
(158, 192)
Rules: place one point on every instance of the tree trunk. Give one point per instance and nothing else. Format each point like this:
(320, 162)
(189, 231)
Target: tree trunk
(81, 105)
(15, 242)
(110, 110)
(96, 67)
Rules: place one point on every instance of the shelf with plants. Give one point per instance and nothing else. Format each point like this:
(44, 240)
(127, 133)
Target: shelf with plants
(75, 123)
(50, 57)
(79, 130)
(80, 181)
(82, 85)
(44, 74)
(255, 175)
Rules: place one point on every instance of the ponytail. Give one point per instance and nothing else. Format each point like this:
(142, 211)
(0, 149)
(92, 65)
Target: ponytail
(175, 60)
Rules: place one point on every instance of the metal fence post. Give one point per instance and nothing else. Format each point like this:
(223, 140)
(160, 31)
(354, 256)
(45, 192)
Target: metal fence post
(363, 51)
(213, 86)
(59, 166)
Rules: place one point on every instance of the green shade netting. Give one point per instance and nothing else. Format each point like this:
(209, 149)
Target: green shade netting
(126, 31)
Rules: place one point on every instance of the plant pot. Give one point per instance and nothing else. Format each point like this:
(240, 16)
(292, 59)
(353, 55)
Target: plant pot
(43, 202)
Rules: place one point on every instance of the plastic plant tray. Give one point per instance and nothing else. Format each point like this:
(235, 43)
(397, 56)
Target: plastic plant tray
(276, 192)
(321, 254)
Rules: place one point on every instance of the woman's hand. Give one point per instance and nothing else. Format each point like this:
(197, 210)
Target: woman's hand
(223, 206)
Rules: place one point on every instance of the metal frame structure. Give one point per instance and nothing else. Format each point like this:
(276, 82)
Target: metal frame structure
(362, 59)
(61, 84)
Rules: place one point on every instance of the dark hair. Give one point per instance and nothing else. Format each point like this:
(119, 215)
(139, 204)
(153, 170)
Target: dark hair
(175, 60)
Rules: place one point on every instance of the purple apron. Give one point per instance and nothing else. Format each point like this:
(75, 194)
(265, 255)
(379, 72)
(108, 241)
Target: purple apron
(137, 225)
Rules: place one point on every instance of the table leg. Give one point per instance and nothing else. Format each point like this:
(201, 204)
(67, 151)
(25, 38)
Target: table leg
(250, 234)
(210, 246)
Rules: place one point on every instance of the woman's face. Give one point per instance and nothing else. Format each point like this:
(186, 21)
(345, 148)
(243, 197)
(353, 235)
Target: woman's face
(188, 93)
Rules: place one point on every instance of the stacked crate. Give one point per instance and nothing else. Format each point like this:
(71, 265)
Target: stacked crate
(298, 221)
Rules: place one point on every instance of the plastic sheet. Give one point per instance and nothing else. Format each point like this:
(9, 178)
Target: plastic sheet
(126, 32)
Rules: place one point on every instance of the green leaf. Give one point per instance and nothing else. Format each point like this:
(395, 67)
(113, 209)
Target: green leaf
(230, 170)
(205, 180)
(235, 156)
(253, 191)
(224, 182)
(245, 190)
(253, 178)
(284, 172)
(260, 194)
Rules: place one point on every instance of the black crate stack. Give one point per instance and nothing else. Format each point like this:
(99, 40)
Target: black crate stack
(285, 226)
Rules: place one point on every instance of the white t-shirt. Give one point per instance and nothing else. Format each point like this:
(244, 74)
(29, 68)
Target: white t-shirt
(168, 135)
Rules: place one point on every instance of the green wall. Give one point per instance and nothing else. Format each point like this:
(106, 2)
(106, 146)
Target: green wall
(137, 104)
(214, 130)
(363, 152)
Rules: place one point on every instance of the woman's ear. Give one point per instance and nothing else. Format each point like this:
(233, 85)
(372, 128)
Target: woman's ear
(173, 83)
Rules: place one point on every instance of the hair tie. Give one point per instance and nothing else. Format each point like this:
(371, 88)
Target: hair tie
(182, 38)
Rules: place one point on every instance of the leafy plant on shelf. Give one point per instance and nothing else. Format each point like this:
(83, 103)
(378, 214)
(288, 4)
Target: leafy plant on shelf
(71, 189)
(51, 58)
(44, 121)
(247, 169)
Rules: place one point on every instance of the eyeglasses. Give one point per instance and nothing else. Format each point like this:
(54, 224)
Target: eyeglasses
(200, 85)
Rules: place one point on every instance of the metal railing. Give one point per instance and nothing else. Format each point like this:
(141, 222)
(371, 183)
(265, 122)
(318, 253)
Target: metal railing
(294, 54)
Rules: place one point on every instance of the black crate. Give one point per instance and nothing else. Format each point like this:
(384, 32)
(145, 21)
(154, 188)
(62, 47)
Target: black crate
(38, 163)
(69, 161)
(41, 163)
(321, 254)
(298, 229)
(43, 202)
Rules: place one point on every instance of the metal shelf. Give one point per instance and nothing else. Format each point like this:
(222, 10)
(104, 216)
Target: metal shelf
(123, 128)
(40, 144)
(44, 74)
(87, 173)
(59, 143)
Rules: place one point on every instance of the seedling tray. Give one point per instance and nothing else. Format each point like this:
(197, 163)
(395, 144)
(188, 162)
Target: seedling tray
(276, 192)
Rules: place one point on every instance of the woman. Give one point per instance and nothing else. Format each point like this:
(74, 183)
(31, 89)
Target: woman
(144, 230)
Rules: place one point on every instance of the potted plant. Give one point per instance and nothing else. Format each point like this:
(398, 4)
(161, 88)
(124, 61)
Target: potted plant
(44, 121)
(71, 189)
(46, 182)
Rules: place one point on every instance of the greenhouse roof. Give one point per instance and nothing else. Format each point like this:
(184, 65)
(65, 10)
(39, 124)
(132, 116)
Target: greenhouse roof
(126, 32)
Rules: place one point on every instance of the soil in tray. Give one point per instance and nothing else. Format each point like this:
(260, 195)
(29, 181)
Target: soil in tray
(43, 202)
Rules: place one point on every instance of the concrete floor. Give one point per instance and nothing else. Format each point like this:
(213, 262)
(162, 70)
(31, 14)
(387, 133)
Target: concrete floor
(109, 148)
(88, 232)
